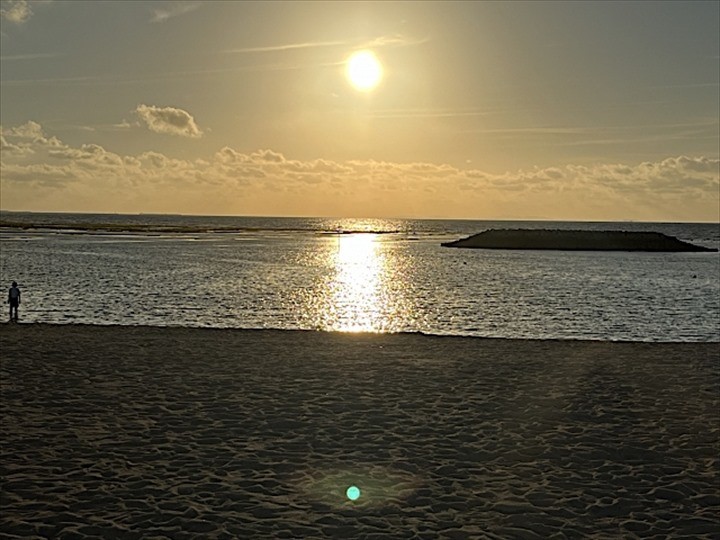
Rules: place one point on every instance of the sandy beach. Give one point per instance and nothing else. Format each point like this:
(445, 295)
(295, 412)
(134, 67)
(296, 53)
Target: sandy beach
(141, 432)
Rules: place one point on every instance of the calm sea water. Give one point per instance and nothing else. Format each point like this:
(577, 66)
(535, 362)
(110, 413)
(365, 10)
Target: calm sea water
(357, 275)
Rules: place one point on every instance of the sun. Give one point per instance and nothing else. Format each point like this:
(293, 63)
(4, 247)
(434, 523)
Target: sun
(363, 70)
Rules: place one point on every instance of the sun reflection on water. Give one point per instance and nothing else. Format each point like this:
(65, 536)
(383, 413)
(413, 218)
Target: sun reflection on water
(356, 301)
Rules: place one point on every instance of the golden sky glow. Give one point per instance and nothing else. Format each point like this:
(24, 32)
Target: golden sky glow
(485, 110)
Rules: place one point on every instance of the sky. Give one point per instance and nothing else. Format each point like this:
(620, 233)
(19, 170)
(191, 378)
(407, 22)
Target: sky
(593, 111)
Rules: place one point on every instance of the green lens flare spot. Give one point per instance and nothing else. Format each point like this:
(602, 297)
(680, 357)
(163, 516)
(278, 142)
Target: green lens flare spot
(353, 493)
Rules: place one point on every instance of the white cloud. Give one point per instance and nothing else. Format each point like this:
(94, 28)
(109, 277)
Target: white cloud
(15, 11)
(27, 137)
(268, 182)
(395, 40)
(28, 130)
(287, 47)
(29, 56)
(169, 120)
(173, 10)
(122, 125)
(5, 146)
(267, 156)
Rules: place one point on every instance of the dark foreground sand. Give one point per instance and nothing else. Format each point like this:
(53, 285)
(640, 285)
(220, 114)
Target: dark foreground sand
(111, 432)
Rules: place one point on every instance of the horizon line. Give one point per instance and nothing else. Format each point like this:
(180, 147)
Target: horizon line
(264, 216)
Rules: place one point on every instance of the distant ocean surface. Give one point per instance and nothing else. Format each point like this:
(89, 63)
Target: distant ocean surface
(355, 275)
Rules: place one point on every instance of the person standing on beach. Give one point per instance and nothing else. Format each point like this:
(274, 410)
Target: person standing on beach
(14, 300)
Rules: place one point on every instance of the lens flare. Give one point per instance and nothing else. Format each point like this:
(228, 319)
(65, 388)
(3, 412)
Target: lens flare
(353, 493)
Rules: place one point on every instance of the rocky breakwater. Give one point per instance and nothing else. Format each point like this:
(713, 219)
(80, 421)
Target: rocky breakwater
(574, 240)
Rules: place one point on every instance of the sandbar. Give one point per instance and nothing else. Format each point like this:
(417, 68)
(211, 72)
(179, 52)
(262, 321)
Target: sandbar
(575, 240)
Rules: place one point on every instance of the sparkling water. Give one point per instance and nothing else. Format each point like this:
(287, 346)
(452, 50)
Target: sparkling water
(356, 275)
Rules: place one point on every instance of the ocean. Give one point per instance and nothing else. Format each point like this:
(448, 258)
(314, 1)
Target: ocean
(355, 275)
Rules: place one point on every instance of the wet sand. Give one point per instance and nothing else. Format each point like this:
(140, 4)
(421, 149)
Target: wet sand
(137, 432)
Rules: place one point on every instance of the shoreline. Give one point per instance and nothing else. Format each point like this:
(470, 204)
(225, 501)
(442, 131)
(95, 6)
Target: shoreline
(131, 431)
(350, 333)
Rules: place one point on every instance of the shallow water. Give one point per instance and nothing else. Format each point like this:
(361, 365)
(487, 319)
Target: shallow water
(299, 273)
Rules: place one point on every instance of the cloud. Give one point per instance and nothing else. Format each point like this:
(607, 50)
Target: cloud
(267, 156)
(7, 147)
(122, 125)
(28, 130)
(169, 120)
(265, 181)
(395, 40)
(609, 135)
(287, 47)
(30, 56)
(15, 11)
(62, 80)
(431, 113)
(174, 10)
(29, 136)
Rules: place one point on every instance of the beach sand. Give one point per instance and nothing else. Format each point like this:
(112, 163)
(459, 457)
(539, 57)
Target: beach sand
(136, 432)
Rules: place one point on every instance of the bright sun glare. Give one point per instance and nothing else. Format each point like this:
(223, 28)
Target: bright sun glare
(356, 300)
(364, 70)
